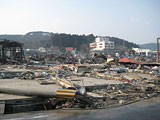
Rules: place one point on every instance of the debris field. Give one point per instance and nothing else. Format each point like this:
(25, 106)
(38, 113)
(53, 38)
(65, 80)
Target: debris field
(68, 82)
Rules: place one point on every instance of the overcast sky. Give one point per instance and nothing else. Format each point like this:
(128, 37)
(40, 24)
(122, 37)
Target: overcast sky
(137, 21)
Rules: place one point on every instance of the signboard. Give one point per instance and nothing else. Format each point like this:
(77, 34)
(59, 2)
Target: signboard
(93, 45)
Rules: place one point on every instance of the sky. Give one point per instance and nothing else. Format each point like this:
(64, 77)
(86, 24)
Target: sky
(136, 21)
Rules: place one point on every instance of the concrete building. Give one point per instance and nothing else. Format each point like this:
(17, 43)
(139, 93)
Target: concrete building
(42, 49)
(106, 46)
(144, 52)
(102, 43)
(10, 51)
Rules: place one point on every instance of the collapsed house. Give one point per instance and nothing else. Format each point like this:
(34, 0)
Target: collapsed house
(10, 51)
(64, 81)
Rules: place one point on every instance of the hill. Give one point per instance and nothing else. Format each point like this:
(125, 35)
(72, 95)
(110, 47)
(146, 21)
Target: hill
(81, 42)
(31, 39)
(151, 46)
(46, 39)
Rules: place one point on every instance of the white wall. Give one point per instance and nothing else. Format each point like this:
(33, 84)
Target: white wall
(103, 43)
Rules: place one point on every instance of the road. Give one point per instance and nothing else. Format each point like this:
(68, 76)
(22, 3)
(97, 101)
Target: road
(143, 110)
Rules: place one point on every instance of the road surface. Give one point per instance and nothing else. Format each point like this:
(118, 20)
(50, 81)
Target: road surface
(144, 110)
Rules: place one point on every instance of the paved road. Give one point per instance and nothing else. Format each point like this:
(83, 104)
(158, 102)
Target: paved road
(143, 110)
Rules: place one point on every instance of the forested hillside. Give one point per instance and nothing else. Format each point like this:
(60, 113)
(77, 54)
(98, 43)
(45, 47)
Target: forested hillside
(151, 46)
(82, 41)
(47, 39)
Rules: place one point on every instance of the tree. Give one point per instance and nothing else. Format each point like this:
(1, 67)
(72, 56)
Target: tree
(84, 49)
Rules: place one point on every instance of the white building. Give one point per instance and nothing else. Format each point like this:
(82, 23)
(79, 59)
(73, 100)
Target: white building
(146, 52)
(42, 49)
(102, 43)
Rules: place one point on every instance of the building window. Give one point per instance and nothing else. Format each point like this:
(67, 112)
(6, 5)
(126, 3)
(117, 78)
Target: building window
(111, 47)
(112, 44)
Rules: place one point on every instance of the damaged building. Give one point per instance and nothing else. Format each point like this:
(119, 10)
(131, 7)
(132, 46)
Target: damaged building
(10, 51)
(48, 81)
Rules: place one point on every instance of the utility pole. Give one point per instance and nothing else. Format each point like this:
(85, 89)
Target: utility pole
(123, 44)
(158, 49)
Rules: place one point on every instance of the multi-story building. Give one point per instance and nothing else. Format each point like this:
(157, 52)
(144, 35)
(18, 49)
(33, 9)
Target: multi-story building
(145, 52)
(102, 43)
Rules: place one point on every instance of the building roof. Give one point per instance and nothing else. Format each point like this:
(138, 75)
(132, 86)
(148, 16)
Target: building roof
(126, 60)
(69, 49)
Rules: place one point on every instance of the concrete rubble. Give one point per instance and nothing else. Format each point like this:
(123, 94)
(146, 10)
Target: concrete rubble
(63, 82)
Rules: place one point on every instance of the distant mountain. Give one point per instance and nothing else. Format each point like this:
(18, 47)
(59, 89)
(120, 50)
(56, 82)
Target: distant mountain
(36, 39)
(119, 43)
(46, 39)
(82, 41)
(12, 37)
(151, 46)
(31, 39)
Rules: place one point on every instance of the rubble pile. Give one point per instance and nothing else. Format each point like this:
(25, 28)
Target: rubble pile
(134, 86)
(99, 82)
